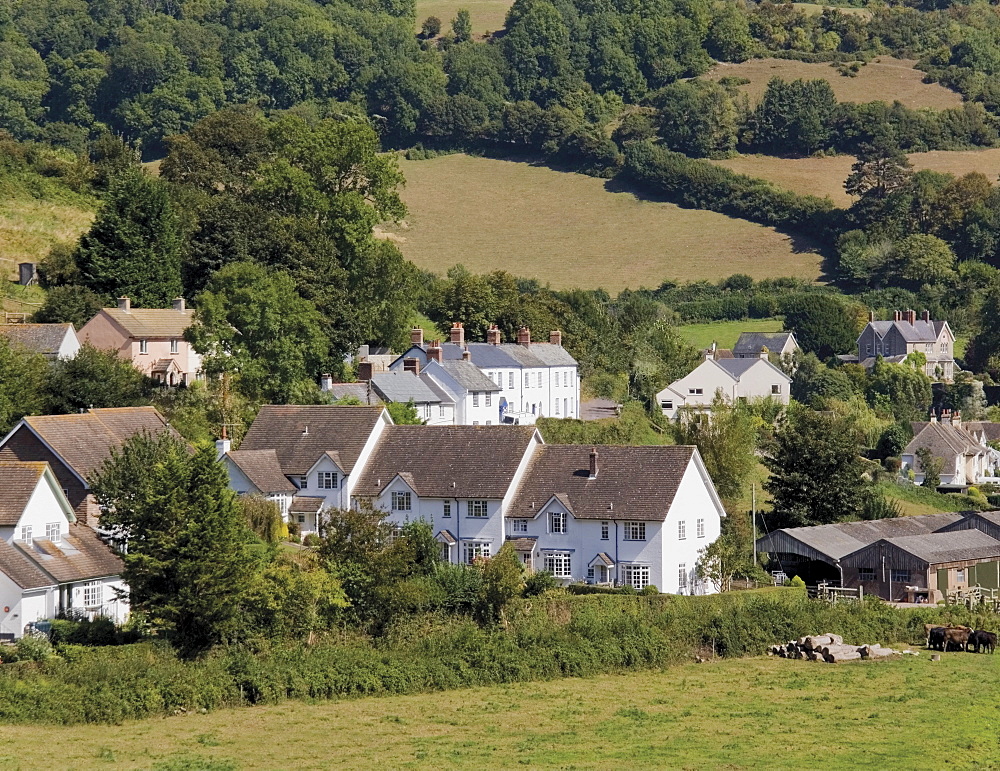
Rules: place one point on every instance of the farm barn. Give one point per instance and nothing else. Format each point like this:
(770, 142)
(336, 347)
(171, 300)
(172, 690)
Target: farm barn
(924, 568)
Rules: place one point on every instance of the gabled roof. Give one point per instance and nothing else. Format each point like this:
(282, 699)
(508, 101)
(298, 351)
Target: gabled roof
(602, 558)
(165, 365)
(305, 504)
(359, 391)
(302, 433)
(151, 322)
(919, 332)
(261, 467)
(944, 441)
(953, 546)
(18, 481)
(448, 537)
(739, 367)
(989, 429)
(443, 396)
(469, 376)
(447, 461)
(45, 339)
(80, 555)
(402, 386)
(524, 543)
(750, 343)
(84, 441)
(632, 482)
(505, 355)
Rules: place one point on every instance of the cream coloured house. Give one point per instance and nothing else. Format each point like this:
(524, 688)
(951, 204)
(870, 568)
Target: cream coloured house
(151, 338)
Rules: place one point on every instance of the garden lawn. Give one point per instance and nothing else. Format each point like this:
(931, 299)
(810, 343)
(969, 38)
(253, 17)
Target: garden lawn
(737, 713)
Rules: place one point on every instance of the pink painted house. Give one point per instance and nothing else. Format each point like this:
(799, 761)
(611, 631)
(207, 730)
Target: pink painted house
(151, 338)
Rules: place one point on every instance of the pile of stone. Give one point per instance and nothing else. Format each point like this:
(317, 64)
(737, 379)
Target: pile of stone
(829, 648)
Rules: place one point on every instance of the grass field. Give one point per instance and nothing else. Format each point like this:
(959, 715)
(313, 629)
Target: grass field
(569, 230)
(883, 78)
(825, 176)
(814, 9)
(746, 713)
(487, 15)
(29, 227)
(725, 333)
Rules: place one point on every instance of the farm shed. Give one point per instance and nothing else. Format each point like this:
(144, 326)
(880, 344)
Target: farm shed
(815, 553)
(924, 568)
(987, 521)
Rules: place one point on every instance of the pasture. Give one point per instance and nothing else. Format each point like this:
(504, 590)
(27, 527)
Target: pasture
(733, 713)
(825, 176)
(487, 15)
(725, 333)
(29, 227)
(884, 78)
(570, 230)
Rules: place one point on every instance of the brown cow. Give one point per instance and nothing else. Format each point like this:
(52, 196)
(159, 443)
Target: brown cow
(928, 628)
(957, 639)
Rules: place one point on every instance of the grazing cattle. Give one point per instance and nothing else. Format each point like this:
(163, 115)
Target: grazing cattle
(935, 638)
(956, 639)
(983, 640)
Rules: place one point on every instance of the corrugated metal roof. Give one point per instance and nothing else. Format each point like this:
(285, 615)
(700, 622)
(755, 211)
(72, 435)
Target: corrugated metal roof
(954, 546)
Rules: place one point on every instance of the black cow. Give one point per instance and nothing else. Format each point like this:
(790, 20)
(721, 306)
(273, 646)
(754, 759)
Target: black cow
(984, 640)
(935, 638)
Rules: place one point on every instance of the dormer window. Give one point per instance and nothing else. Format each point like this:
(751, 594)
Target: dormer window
(53, 531)
(144, 346)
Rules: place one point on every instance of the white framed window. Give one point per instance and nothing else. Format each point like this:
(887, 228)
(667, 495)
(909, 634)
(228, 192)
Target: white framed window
(696, 390)
(557, 522)
(557, 406)
(401, 501)
(682, 530)
(666, 404)
(144, 346)
(636, 576)
(477, 509)
(26, 533)
(475, 550)
(53, 531)
(960, 575)
(604, 531)
(441, 411)
(519, 526)
(634, 531)
(173, 345)
(302, 519)
(944, 347)
(700, 524)
(868, 349)
(559, 564)
(489, 422)
(899, 576)
(281, 501)
(510, 380)
(775, 389)
(93, 594)
(590, 574)
(539, 379)
(475, 422)
(866, 574)
(446, 509)
(303, 482)
(527, 382)
(427, 411)
(566, 378)
(682, 576)
(475, 398)
(929, 347)
(328, 480)
(489, 399)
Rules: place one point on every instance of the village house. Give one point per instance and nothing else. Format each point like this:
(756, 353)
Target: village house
(76, 446)
(618, 515)
(434, 405)
(779, 344)
(49, 563)
(905, 334)
(966, 458)
(318, 448)
(53, 341)
(735, 379)
(531, 379)
(151, 338)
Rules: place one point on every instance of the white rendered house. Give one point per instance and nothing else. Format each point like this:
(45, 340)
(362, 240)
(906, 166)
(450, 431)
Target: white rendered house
(733, 378)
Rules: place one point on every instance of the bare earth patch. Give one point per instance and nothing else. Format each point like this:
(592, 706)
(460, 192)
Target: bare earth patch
(568, 230)
(883, 79)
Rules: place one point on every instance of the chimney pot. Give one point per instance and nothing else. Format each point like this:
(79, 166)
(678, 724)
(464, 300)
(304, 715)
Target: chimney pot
(466, 355)
(178, 304)
(926, 316)
(457, 333)
(911, 317)
(326, 382)
(417, 336)
(593, 463)
(493, 335)
(524, 337)
(897, 315)
(555, 337)
(763, 352)
(124, 304)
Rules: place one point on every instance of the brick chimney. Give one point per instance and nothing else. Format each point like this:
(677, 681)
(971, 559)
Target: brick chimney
(911, 316)
(124, 304)
(871, 315)
(593, 463)
(435, 352)
(365, 370)
(466, 355)
(555, 337)
(897, 315)
(926, 316)
(524, 337)
(411, 365)
(178, 303)
(493, 335)
(457, 333)
(417, 336)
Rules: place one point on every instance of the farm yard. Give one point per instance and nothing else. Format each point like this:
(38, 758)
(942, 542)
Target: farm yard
(883, 78)
(732, 713)
(569, 230)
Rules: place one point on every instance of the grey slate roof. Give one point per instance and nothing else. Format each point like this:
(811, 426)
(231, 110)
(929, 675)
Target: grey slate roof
(262, 469)
(637, 483)
(447, 461)
(403, 386)
(835, 541)
(750, 343)
(954, 546)
(359, 391)
(300, 434)
(469, 376)
(443, 396)
(508, 355)
(919, 332)
(738, 367)
(44, 339)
